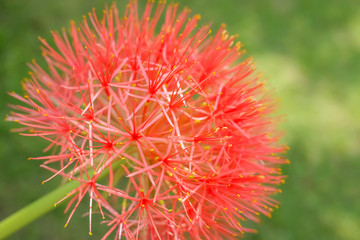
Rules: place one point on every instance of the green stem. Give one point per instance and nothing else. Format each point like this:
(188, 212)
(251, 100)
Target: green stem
(34, 210)
(38, 208)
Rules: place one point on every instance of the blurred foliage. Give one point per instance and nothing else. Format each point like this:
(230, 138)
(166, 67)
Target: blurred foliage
(309, 52)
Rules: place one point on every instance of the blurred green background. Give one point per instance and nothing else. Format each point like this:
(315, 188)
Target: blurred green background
(309, 52)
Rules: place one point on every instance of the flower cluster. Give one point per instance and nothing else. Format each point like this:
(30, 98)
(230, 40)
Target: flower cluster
(168, 135)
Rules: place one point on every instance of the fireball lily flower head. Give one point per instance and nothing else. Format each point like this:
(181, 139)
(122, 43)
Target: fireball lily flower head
(184, 131)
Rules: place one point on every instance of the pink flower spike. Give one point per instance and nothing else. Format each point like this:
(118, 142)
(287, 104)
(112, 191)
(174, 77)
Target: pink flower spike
(183, 127)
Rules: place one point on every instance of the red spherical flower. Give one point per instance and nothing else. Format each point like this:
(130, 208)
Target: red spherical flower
(181, 129)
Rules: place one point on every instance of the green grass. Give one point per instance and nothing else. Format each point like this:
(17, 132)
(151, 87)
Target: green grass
(309, 52)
